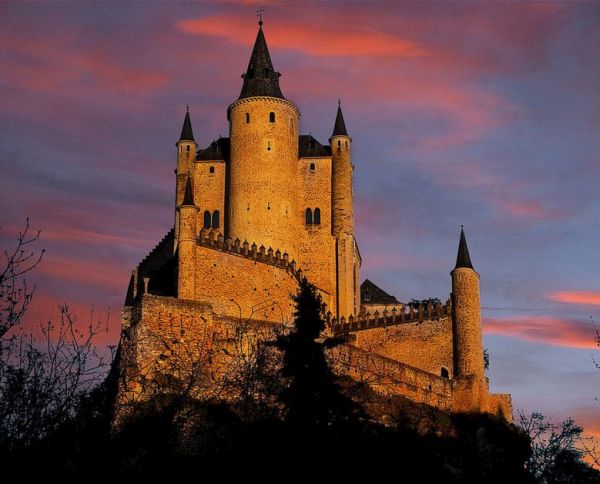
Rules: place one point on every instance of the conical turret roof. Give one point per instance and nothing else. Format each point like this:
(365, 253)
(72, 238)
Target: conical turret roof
(260, 78)
(463, 259)
(188, 196)
(339, 129)
(186, 131)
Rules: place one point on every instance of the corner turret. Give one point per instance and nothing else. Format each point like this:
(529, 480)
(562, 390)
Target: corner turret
(342, 227)
(186, 264)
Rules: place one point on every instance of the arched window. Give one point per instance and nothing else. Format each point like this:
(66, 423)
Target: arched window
(211, 169)
(247, 118)
(312, 167)
(271, 117)
(444, 373)
(188, 148)
(207, 219)
(215, 219)
(339, 143)
(309, 219)
(317, 218)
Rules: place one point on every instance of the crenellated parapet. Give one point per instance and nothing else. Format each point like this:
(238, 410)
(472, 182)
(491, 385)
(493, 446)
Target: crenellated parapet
(213, 240)
(395, 316)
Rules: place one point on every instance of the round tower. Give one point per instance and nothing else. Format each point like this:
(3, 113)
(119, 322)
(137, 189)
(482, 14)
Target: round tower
(342, 223)
(186, 154)
(264, 157)
(186, 264)
(466, 327)
(342, 194)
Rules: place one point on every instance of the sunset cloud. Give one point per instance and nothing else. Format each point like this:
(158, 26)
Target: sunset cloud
(586, 298)
(545, 330)
(318, 40)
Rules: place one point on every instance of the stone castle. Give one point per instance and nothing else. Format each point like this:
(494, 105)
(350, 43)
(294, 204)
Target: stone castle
(258, 211)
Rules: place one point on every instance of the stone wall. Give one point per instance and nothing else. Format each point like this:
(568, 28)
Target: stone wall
(426, 345)
(237, 285)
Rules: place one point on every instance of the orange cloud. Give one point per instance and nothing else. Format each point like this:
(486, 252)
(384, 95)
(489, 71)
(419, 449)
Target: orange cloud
(308, 38)
(545, 330)
(587, 298)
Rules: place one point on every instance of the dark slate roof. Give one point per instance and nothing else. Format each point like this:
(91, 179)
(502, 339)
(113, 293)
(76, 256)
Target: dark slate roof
(260, 78)
(308, 146)
(186, 131)
(217, 150)
(372, 294)
(463, 259)
(339, 129)
(188, 196)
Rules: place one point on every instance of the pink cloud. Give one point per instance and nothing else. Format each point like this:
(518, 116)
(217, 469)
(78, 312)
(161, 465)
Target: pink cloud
(587, 298)
(545, 330)
(311, 39)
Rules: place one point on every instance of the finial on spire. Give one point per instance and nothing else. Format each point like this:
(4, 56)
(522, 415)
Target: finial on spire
(463, 259)
(187, 108)
(259, 13)
(339, 103)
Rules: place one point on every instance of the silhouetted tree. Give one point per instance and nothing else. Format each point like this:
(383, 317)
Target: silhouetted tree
(312, 396)
(556, 450)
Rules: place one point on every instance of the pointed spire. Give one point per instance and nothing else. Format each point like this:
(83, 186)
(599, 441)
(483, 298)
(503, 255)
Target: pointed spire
(260, 78)
(339, 129)
(188, 197)
(463, 259)
(186, 130)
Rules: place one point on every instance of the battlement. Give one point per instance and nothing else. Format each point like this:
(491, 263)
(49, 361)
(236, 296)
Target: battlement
(404, 315)
(276, 258)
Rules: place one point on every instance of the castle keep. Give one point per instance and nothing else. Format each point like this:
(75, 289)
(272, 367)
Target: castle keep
(254, 214)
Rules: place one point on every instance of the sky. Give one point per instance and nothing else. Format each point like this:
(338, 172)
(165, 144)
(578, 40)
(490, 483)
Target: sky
(485, 114)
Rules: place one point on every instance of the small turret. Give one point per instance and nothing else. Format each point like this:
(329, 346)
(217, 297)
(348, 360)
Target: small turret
(468, 345)
(343, 210)
(188, 214)
(186, 146)
(186, 155)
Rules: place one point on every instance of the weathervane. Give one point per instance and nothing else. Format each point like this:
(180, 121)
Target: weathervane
(259, 13)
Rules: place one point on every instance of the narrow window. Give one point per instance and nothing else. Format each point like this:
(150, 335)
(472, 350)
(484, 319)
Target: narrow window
(339, 143)
(215, 219)
(346, 144)
(211, 169)
(317, 219)
(312, 167)
(247, 118)
(272, 117)
(309, 219)
(188, 148)
(268, 146)
(268, 205)
(444, 373)
(207, 219)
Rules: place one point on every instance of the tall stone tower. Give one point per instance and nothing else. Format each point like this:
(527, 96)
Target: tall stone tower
(263, 128)
(186, 154)
(186, 269)
(466, 331)
(342, 222)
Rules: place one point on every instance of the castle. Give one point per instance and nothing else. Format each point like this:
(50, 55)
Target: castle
(260, 210)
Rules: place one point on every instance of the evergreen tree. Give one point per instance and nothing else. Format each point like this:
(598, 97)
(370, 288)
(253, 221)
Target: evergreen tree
(312, 397)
